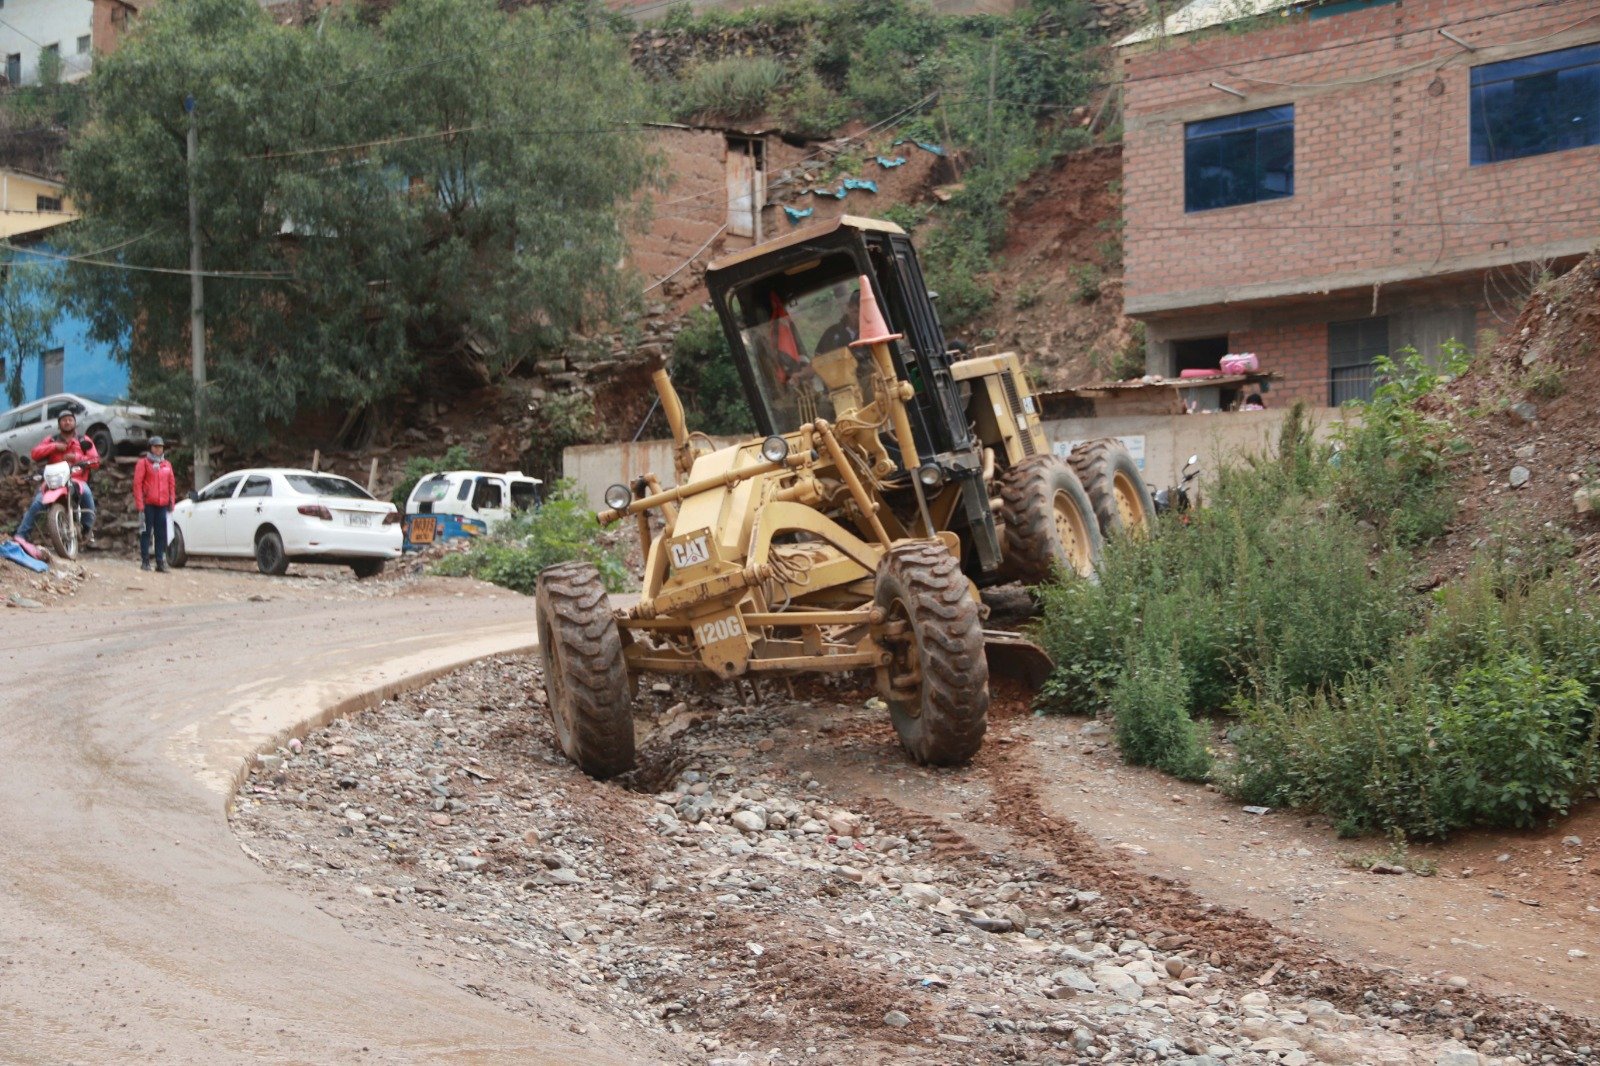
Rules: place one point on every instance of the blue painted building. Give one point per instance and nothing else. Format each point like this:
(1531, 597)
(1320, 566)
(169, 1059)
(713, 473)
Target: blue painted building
(67, 359)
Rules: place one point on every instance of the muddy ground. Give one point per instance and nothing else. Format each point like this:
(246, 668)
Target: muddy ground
(777, 883)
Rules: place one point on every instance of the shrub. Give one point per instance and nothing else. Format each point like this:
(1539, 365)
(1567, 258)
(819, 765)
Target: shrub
(735, 88)
(1392, 463)
(562, 529)
(420, 466)
(706, 379)
(1153, 725)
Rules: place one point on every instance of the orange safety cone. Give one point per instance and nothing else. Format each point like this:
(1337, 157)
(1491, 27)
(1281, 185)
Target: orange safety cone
(873, 329)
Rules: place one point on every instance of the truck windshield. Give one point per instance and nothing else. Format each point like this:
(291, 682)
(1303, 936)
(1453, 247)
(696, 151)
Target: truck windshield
(433, 490)
(797, 333)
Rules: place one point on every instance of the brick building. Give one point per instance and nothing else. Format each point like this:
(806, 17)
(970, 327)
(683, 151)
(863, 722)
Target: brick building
(1335, 181)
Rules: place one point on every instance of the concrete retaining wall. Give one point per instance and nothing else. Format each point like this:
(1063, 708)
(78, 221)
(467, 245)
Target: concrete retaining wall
(1162, 442)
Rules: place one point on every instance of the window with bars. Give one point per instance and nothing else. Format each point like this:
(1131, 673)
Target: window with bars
(1238, 159)
(1353, 350)
(47, 203)
(1536, 104)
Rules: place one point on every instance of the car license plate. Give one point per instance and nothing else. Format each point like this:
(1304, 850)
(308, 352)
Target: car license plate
(423, 530)
(358, 519)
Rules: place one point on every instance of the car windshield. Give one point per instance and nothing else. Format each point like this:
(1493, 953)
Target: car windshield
(797, 333)
(326, 485)
(433, 490)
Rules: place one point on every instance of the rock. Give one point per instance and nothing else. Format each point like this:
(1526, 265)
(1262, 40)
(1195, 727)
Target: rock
(572, 931)
(749, 821)
(1455, 1055)
(1386, 868)
(563, 877)
(1259, 1000)
(1586, 500)
(1572, 842)
(471, 863)
(269, 762)
(1457, 981)
(439, 818)
(1524, 411)
(1519, 477)
(17, 599)
(1118, 983)
(1075, 981)
(1577, 953)
(844, 824)
(920, 894)
(896, 1019)
(353, 815)
(988, 924)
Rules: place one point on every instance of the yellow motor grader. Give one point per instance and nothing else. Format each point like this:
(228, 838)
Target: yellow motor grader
(892, 479)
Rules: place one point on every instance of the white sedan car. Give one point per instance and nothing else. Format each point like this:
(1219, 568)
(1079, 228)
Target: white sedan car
(282, 516)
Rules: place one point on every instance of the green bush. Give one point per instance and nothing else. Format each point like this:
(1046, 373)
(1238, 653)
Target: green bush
(562, 529)
(421, 466)
(1149, 703)
(706, 379)
(1393, 462)
(735, 88)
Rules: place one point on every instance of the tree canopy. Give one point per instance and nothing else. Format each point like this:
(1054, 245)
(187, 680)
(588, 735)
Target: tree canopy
(382, 200)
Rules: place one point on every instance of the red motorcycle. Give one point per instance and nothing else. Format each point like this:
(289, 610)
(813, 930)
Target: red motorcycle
(62, 499)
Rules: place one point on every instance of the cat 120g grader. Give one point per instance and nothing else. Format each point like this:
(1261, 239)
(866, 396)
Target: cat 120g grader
(892, 479)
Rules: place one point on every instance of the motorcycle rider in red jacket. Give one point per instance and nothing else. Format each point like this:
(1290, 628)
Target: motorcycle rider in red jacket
(65, 446)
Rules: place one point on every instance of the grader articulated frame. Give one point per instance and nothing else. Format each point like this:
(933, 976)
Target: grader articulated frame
(893, 479)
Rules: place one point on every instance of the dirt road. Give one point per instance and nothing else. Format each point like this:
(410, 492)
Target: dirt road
(134, 927)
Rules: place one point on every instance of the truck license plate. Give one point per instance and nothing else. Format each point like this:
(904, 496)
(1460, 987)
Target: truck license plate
(423, 530)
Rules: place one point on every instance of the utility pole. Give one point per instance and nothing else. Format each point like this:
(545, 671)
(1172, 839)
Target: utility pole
(197, 310)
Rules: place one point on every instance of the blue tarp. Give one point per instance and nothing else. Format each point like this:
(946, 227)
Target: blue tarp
(924, 145)
(795, 214)
(886, 163)
(860, 183)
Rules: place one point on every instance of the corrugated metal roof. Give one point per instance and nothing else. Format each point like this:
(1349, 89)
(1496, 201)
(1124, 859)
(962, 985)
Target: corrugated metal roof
(1203, 14)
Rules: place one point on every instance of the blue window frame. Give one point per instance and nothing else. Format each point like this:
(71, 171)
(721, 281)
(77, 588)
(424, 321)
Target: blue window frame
(1239, 159)
(1536, 104)
(1329, 8)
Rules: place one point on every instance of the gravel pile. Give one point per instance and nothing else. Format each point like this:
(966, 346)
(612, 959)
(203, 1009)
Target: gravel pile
(730, 909)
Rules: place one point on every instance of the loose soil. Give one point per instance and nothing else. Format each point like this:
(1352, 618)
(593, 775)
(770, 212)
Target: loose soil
(777, 882)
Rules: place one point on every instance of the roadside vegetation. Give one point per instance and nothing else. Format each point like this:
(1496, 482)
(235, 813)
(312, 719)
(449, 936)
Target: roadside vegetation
(993, 92)
(1285, 612)
(562, 529)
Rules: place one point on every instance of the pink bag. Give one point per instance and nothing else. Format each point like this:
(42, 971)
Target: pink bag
(1243, 363)
(31, 549)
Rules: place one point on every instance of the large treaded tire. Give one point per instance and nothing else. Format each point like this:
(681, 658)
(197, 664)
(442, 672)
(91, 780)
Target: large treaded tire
(585, 679)
(922, 584)
(1049, 522)
(1117, 491)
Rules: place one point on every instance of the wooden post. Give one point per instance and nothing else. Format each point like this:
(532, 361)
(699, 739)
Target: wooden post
(316, 460)
(372, 476)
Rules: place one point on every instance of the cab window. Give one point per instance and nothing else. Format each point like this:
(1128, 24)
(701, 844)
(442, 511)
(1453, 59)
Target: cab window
(489, 495)
(465, 490)
(524, 494)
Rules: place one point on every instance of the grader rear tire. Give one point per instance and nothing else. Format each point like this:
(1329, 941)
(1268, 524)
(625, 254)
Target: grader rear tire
(943, 724)
(1117, 491)
(1049, 522)
(584, 677)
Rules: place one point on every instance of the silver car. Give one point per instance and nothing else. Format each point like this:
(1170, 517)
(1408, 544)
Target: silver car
(114, 425)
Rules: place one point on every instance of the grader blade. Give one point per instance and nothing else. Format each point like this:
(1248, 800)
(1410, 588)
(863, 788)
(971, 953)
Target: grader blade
(1014, 656)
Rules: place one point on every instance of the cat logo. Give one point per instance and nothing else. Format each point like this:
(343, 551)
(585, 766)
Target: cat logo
(691, 551)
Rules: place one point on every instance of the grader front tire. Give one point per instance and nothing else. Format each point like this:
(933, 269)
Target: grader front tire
(1117, 491)
(939, 702)
(584, 677)
(1049, 521)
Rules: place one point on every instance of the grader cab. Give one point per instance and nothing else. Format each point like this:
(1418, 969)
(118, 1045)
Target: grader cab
(892, 479)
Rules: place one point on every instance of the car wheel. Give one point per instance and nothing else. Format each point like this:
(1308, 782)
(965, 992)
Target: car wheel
(8, 464)
(101, 436)
(177, 557)
(270, 559)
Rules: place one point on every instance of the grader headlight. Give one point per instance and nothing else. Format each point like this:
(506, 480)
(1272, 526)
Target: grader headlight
(774, 449)
(618, 497)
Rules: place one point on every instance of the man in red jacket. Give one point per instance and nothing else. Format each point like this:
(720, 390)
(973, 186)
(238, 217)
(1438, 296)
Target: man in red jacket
(65, 446)
(155, 490)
